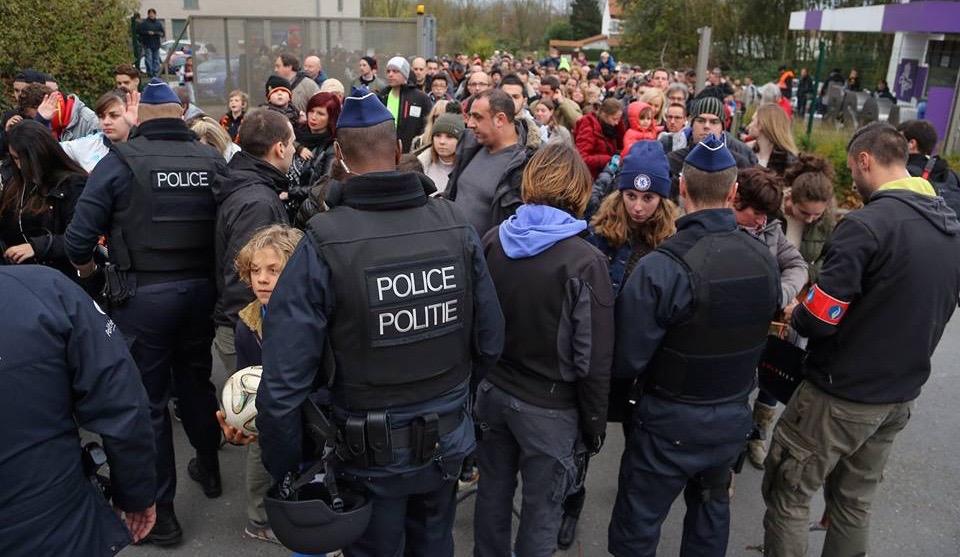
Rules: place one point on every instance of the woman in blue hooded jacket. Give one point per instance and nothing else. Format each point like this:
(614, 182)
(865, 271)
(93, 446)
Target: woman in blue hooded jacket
(544, 405)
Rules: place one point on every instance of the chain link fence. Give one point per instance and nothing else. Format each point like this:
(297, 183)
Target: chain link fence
(238, 53)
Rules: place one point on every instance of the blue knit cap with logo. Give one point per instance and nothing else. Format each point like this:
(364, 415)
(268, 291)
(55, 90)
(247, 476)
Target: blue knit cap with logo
(645, 168)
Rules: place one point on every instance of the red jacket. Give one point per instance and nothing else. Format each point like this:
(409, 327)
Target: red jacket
(596, 148)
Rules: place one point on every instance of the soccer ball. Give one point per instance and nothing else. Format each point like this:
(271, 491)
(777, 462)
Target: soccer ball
(240, 397)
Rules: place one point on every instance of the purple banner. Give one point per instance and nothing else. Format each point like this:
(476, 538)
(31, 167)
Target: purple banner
(922, 17)
(907, 85)
(939, 104)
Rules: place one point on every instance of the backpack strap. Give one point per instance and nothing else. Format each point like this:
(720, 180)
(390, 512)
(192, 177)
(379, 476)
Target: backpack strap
(928, 168)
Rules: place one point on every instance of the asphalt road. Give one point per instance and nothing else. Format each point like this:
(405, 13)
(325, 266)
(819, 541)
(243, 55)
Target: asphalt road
(916, 512)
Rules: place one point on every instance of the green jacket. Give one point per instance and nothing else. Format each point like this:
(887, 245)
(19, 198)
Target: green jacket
(814, 237)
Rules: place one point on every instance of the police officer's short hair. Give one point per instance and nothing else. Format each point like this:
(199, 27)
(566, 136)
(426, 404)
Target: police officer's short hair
(882, 141)
(263, 128)
(922, 132)
(288, 59)
(708, 187)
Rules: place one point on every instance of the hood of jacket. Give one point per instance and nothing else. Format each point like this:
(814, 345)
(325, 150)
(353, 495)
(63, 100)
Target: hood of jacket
(244, 171)
(252, 317)
(528, 131)
(912, 192)
(633, 114)
(535, 229)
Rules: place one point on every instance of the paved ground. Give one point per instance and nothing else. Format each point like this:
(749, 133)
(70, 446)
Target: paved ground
(916, 513)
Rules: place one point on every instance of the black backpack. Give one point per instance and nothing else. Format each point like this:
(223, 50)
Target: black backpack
(948, 188)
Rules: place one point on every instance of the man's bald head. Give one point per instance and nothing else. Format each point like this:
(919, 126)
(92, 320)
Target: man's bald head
(419, 68)
(312, 66)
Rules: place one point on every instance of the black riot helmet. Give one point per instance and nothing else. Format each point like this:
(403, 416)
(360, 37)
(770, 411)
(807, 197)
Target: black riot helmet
(311, 520)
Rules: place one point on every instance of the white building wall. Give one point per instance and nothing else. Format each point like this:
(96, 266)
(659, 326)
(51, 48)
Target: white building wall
(906, 45)
(168, 10)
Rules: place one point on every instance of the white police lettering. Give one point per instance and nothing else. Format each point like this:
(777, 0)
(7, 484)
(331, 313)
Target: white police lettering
(182, 179)
(418, 318)
(415, 300)
(427, 281)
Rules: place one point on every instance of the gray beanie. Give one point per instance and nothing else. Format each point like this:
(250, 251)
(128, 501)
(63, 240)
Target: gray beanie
(450, 124)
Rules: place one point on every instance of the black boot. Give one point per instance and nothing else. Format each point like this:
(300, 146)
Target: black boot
(167, 529)
(572, 506)
(206, 472)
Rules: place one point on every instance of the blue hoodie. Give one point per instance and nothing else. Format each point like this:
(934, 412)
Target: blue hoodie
(535, 229)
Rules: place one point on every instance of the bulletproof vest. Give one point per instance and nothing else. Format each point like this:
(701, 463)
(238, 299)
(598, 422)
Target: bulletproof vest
(169, 223)
(402, 285)
(712, 357)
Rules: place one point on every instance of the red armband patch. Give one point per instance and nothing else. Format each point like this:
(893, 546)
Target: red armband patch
(825, 307)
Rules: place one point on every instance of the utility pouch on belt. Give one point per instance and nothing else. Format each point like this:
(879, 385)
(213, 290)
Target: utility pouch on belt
(118, 287)
(425, 437)
(356, 439)
(378, 438)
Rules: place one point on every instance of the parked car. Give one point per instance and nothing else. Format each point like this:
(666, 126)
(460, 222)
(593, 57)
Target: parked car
(210, 78)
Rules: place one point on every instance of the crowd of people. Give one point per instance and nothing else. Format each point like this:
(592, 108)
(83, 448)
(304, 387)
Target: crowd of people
(478, 263)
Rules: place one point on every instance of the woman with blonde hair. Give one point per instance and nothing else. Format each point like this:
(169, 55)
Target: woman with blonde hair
(655, 97)
(210, 132)
(426, 137)
(544, 404)
(632, 221)
(773, 138)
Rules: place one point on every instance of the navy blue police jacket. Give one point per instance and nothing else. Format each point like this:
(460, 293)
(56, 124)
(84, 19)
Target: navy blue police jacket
(657, 295)
(302, 307)
(64, 365)
(108, 190)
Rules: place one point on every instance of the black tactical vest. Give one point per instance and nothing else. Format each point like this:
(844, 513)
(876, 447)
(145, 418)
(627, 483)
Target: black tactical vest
(712, 357)
(169, 224)
(402, 283)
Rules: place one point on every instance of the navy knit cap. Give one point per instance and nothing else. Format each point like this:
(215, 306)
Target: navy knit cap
(362, 109)
(711, 155)
(158, 92)
(645, 168)
(30, 76)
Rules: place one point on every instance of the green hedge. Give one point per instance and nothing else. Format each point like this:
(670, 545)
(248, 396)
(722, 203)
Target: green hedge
(77, 41)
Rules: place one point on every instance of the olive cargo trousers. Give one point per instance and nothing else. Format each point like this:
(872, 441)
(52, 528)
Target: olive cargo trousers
(842, 446)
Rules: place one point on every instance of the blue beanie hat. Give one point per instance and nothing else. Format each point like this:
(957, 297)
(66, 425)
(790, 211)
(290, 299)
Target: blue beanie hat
(645, 168)
(362, 109)
(711, 155)
(158, 92)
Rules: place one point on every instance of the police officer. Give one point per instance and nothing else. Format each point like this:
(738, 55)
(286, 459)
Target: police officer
(392, 289)
(152, 197)
(63, 365)
(691, 323)
(888, 286)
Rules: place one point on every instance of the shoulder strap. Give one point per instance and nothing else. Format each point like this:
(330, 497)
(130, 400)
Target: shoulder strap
(928, 168)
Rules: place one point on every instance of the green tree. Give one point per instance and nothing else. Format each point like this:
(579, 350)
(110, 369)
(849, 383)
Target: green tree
(80, 55)
(585, 18)
(559, 30)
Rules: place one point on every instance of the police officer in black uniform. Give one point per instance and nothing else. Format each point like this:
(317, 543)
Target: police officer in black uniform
(63, 364)
(691, 323)
(152, 197)
(388, 303)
